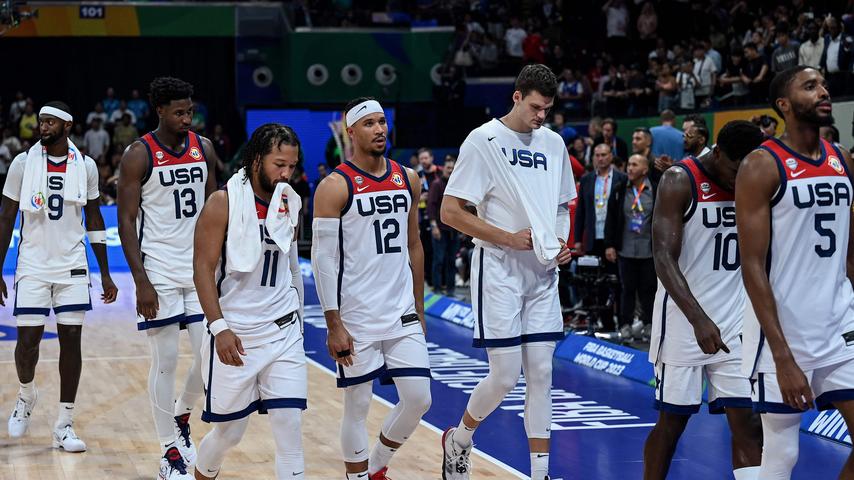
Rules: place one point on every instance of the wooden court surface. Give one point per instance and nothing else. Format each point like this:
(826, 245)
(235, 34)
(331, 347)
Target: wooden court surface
(113, 416)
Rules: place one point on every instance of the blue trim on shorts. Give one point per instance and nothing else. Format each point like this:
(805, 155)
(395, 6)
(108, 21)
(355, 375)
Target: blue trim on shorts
(480, 298)
(79, 307)
(188, 319)
(273, 403)
(390, 374)
(720, 405)
(210, 379)
(676, 409)
(209, 417)
(826, 399)
(496, 342)
(146, 324)
(543, 337)
(770, 407)
(344, 382)
(30, 311)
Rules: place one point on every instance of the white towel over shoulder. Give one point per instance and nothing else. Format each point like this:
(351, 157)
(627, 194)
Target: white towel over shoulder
(243, 249)
(34, 182)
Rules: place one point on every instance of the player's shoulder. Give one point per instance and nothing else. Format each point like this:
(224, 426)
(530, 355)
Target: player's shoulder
(335, 181)
(20, 158)
(483, 133)
(89, 162)
(549, 136)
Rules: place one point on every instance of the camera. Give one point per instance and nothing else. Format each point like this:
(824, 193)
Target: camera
(597, 292)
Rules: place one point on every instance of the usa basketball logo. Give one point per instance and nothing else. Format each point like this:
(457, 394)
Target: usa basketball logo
(834, 164)
(159, 155)
(791, 163)
(705, 187)
(397, 179)
(359, 180)
(195, 153)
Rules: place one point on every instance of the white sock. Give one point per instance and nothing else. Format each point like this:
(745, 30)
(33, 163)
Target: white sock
(28, 391)
(463, 434)
(358, 476)
(539, 465)
(380, 456)
(746, 473)
(166, 446)
(66, 415)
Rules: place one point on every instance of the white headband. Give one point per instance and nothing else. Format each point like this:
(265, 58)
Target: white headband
(60, 114)
(359, 111)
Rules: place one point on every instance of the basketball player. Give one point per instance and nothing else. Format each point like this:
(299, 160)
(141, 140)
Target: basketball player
(53, 184)
(793, 209)
(514, 286)
(369, 270)
(164, 179)
(253, 354)
(700, 307)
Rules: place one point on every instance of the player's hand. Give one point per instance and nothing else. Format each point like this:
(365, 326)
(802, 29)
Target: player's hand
(565, 254)
(708, 337)
(611, 254)
(339, 343)
(109, 288)
(437, 234)
(147, 304)
(3, 293)
(663, 162)
(521, 240)
(794, 387)
(229, 348)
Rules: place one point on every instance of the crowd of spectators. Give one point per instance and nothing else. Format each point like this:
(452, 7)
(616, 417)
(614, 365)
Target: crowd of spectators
(102, 133)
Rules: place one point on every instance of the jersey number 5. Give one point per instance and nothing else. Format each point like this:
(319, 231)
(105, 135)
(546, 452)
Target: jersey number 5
(825, 232)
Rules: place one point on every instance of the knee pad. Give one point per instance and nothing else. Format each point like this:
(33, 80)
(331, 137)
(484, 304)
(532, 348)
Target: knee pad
(70, 318)
(217, 442)
(287, 429)
(780, 445)
(505, 364)
(354, 433)
(30, 320)
(164, 349)
(415, 400)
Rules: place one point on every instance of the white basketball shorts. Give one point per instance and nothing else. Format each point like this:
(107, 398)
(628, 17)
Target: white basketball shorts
(679, 389)
(386, 359)
(834, 383)
(35, 298)
(177, 305)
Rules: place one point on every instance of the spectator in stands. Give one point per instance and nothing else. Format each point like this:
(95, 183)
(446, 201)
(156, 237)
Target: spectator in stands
(614, 92)
(668, 89)
(731, 81)
(200, 117)
(706, 73)
(139, 107)
(570, 93)
(97, 140)
(810, 51)
(534, 46)
(687, 82)
(638, 91)
(28, 125)
(642, 145)
(99, 113)
(667, 142)
(767, 124)
(609, 137)
(713, 55)
(628, 241)
(12, 142)
(617, 26)
(595, 200)
(430, 173)
(559, 126)
(696, 138)
(513, 38)
(487, 55)
(125, 132)
(578, 149)
(77, 136)
(785, 56)
(647, 23)
(221, 143)
(445, 239)
(16, 109)
(110, 102)
(836, 57)
(755, 74)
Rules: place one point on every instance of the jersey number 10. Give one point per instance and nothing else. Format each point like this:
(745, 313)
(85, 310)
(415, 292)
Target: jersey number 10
(725, 247)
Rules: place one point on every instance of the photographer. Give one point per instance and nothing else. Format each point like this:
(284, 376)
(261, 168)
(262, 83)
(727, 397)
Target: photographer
(628, 235)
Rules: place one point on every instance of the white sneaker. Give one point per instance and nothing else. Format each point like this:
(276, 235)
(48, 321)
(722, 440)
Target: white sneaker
(456, 464)
(66, 439)
(184, 440)
(626, 333)
(19, 420)
(173, 467)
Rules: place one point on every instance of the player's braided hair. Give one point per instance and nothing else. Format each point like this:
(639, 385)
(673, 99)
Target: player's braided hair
(263, 139)
(165, 89)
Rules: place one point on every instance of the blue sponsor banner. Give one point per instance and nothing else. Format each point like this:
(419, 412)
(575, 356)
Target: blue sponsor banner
(114, 246)
(607, 357)
(828, 424)
(452, 310)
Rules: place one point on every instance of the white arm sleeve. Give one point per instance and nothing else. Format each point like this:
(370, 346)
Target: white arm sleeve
(324, 260)
(296, 279)
(562, 222)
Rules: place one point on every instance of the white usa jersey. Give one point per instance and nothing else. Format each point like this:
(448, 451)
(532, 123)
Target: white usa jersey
(710, 262)
(51, 246)
(173, 194)
(540, 160)
(251, 302)
(810, 216)
(375, 296)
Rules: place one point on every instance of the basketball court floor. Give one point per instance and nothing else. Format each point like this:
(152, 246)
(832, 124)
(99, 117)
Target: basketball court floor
(599, 421)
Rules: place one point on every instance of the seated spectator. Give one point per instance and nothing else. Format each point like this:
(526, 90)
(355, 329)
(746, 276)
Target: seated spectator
(99, 113)
(125, 132)
(578, 150)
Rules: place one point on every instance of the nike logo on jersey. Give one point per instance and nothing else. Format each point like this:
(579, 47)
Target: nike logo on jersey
(161, 162)
(359, 189)
(706, 197)
(490, 139)
(798, 173)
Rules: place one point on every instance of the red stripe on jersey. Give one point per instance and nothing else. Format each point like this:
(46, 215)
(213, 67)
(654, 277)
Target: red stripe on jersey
(395, 179)
(706, 189)
(163, 157)
(798, 167)
(54, 168)
(261, 209)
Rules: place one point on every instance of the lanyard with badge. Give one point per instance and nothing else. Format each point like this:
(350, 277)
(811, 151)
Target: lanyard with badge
(602, 196)
(636, 221)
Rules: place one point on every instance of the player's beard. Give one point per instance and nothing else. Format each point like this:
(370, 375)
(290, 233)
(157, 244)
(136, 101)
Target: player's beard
(810, 116)
(266, 183)
(50, 139)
